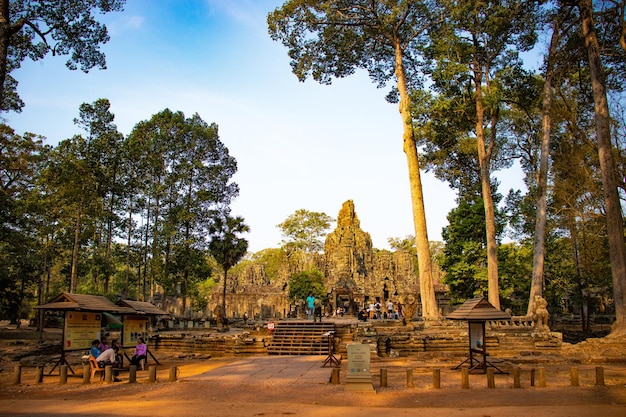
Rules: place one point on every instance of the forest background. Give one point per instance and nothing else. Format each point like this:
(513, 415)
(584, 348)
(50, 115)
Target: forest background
(107, 213)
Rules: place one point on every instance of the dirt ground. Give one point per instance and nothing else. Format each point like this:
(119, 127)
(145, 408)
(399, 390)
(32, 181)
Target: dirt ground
(204, 388)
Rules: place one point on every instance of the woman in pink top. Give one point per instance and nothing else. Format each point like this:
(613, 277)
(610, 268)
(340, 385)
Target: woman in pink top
(140, 352)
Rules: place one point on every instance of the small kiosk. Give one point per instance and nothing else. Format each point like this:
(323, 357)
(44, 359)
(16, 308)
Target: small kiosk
(477, 311)
(83, 318)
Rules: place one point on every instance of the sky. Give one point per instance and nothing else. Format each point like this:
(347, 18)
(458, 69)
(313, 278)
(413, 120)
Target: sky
(297, 145)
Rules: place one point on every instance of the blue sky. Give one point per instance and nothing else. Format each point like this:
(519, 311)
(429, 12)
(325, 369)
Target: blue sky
(298, 145)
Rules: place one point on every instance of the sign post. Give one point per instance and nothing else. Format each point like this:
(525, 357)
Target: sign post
(359, 377)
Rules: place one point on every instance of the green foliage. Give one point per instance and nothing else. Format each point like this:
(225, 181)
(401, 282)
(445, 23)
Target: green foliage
(227, 247)
(333, 39)
(271, 259)
(35, 28)
(515, 263)
(301, 283)
(406, 244)
(182, 173)
(464, 258)
(21, 250)
(304, 230)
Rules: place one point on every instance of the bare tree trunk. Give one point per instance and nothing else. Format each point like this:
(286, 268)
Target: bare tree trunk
(224, 297)
(539, 246)
(615, 230)
(129, 242)
(74, 270)
(427, 290)
(484, 158)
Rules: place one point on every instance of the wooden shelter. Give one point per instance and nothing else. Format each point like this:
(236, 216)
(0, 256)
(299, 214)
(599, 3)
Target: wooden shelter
(143, 308)
(83, 316)
(477, 312)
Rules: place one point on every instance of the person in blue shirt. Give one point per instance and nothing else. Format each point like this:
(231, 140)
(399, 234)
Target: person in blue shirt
(310, 306)
(95, 348)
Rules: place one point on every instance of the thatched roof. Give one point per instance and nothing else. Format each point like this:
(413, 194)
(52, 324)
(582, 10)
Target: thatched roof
(143, 308)
(84, 302)
(478, 309)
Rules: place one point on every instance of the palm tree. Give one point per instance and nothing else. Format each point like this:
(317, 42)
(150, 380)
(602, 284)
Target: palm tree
(227, 247)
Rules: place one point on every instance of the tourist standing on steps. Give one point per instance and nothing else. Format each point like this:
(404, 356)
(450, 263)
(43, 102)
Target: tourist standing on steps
(310, 306)
(390, 309)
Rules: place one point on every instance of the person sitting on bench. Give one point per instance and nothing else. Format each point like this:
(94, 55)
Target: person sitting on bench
(141, 350)
(95, 348)
(110, 357)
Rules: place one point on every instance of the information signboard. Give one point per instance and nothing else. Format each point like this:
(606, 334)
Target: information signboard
(81, 329)
(477, 335)
(134, 327)
(358, 358)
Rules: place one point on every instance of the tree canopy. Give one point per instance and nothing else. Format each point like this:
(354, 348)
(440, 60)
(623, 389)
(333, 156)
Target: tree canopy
(35, 28)
(304, 230)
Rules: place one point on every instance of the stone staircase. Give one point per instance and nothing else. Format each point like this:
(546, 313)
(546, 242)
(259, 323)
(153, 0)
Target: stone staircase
(300, 338)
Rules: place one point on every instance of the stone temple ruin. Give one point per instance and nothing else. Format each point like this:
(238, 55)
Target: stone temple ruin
(356, 274)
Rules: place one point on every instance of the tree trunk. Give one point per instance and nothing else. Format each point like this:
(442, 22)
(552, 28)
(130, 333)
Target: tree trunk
(74, 270)
(615, 231)
(129, 243)
(484, 157)
(427, 290)
(5, 35)
(224, 297)
(539, 246)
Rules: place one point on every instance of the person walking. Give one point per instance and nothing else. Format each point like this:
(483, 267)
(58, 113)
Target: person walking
(310, 306)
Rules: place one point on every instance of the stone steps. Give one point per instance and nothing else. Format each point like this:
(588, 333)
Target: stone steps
(300, 338)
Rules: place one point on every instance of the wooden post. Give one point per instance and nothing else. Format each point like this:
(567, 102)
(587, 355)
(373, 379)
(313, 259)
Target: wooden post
(491, 380)
(86, 374)
(516, 378)
(334, 376)
(383, 378)
(39, 375)
(541, 374)
(573, 376)
(173, 374)
(532, 377)
(132, 374)
(599, 376)
(409, 378)
(63, 374)
(437, 378)
(465, 377)
(108, 374)
(17, 374)
(152, 373)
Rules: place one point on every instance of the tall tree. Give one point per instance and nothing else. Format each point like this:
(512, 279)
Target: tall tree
(614, 220)
(227, 247)
(21, 159)
(106, 159)
(304, 230)
(536, 287)
(70, 181)
(333, 39)
(186, 174)
(474, 55)
(34, 28)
